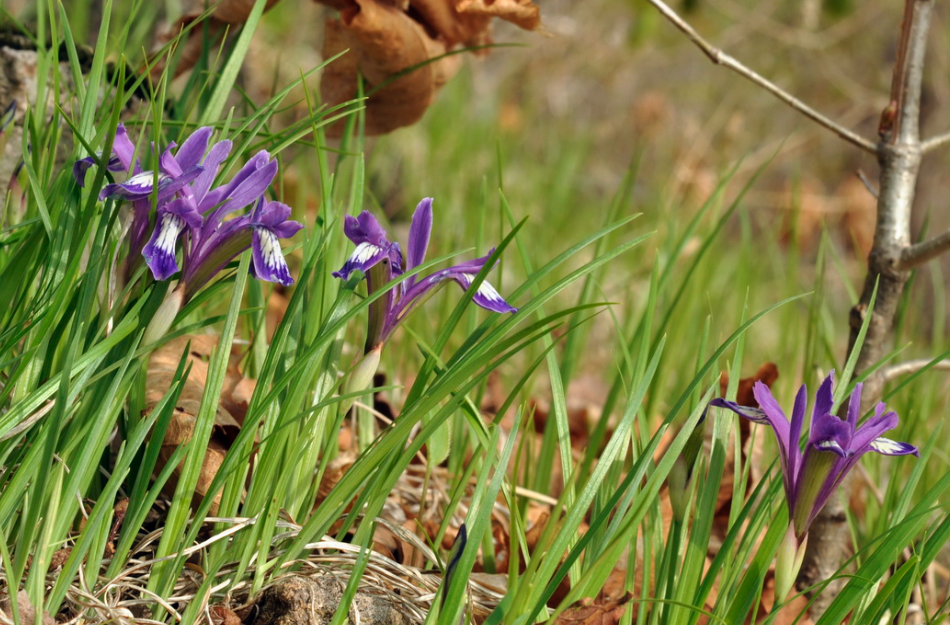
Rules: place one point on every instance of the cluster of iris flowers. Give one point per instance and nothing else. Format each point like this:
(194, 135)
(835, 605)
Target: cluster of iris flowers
(189, 209)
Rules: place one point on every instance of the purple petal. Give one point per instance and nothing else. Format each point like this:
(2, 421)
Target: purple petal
(824, 398)
(137, 187)
(79, 169)
(185, 208)
(159, 252)
(854, 406)
(269, 263)
(829, 433)
(749, 412)
(795, 433)
(370, 227)
(875, 426)
(193, 149)
(419, 231)
(365, 229)
(219, 151)
(123, 150)
(167, 162)
(248, 191)
(271, 214)
(893, 448)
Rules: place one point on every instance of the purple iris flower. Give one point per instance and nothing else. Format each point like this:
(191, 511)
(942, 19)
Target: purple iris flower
(381, 261)
(834, 445)
(188, 209)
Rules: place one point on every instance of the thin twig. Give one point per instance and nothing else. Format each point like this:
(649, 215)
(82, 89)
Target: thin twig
(935, 142)
(919, 253)
(719, 57)
(867, 183)
(913, 366)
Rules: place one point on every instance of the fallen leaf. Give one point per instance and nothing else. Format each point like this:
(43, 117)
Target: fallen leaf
(25, 608)
(598, 613)
(223, 615)
(232, 407)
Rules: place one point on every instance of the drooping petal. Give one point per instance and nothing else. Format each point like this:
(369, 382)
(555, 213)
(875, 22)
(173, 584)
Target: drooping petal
(486, 296)
(893, 448)
(123, 152)
(269, 263)
(363, 257)
(419, 231)
(770, 413)
(139, 186)
(159, 252)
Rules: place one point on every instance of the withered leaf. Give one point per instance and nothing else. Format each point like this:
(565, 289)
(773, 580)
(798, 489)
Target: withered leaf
(229, 415)
(599, 613)
(522, 13)
(383, 42)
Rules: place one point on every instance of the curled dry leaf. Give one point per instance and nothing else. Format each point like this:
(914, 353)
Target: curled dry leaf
(383, 42)
(386, 39)
(229, 415)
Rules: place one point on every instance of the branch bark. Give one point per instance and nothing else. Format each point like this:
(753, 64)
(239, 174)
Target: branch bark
(918, 254)
(913, 366)
(935, 142)
(899, 154)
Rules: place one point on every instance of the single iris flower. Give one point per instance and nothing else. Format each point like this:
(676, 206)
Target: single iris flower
(834, 446)
(382, 260)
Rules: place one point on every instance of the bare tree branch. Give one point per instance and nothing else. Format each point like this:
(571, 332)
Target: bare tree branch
(913, 366)
(719, 57)
(916, 255)
(935, 142)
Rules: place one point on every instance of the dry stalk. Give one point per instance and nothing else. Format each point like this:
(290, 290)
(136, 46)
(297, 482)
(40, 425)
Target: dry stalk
(899, 150)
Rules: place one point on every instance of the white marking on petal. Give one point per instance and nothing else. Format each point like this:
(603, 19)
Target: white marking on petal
(171, 227)
(363, 252)
(144, 180)
(829, 445)
(488, 292)
(467, 278)
(270, 250)
(887, 446)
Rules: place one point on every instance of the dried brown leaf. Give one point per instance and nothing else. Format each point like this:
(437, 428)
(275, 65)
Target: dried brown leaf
(522, 13)
(229, 416)
(223, 615)
(383, 42)
(598, 613)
